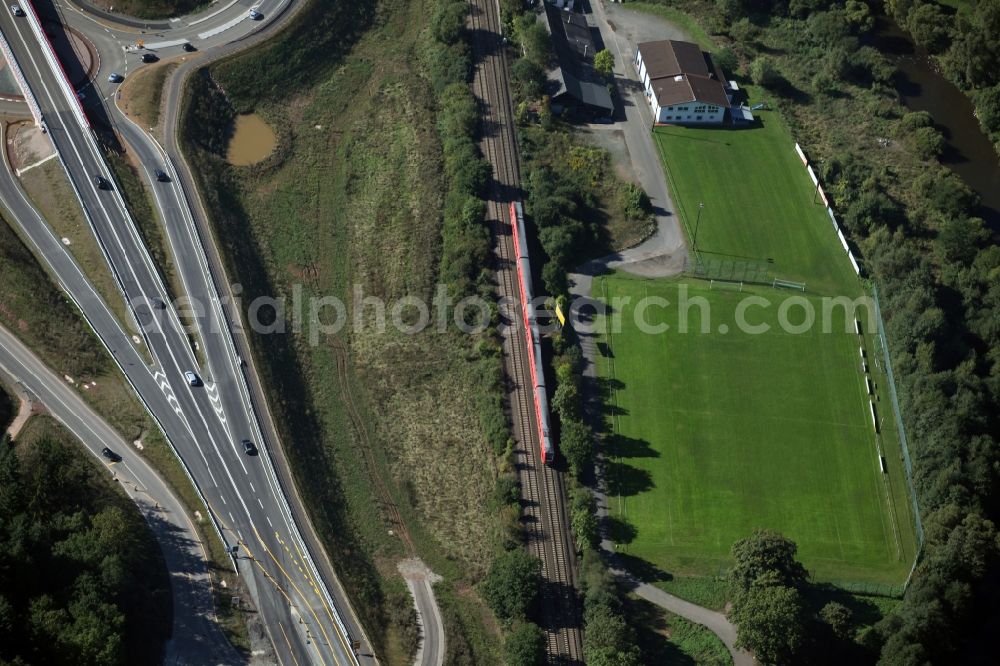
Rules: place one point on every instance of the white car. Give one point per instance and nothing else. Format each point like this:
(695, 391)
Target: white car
(16, 10)
(192, 378)
(255, 15)
(115, 77)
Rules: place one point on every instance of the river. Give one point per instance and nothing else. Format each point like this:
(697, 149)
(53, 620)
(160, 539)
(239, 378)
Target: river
(969, 152)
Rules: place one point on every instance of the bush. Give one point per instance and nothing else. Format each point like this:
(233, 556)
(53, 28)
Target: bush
(914, 120)
(726, 60)
(763, 72)
(524, 645)
(511, 585)
(928, 142)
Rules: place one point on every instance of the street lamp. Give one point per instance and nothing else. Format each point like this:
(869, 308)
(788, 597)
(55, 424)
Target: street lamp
(697, 223)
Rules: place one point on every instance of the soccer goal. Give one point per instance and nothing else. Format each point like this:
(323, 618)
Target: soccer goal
(788, 284)
(725, 285)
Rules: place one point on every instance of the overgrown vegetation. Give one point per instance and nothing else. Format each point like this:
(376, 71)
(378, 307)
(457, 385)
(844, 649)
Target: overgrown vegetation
(580, 206)
(151, 9)
(965, 42)
(376, 188)
(936, 268)
(665, 638)
(82, 578)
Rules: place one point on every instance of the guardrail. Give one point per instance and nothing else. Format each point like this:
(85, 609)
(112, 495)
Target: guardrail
(81, 116)
(70, 94)
(29, 97)
(49, 52)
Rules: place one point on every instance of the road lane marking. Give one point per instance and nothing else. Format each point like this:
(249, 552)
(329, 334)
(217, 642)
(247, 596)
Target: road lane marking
(289, 643)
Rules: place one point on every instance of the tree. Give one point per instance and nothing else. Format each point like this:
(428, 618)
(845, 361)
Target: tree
(608, 640)
(764, 552)
(770, 621)
(929, 27)
(859, 16)
(763, 72)
(726, 60)
(988, 108)
(531, 77)
(928, 142)
(838, 618)
(512, 583)
(524, 645)
(604, 63)
(577, 444)
(449, 21)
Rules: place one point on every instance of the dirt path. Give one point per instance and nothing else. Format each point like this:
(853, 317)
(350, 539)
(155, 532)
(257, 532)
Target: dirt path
(26, 409)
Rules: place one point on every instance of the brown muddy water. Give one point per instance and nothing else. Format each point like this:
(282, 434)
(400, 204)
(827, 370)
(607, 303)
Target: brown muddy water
(969, 152)
(253, 140)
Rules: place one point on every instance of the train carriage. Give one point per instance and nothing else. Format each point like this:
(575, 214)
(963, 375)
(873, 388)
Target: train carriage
(530, 323)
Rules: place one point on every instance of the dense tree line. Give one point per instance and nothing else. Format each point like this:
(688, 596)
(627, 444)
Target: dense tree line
(81, 579)
(967, 45)
(938, 273)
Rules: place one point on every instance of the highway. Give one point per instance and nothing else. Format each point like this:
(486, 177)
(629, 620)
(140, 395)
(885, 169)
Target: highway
(195, 635)
(306, 615)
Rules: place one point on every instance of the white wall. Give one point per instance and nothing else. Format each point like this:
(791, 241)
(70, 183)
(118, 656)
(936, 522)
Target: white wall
(671, 115)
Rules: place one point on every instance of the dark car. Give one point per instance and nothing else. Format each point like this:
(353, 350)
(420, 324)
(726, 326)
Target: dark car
(101, 182)
(161, 175)
(110, 455)
(249, 448)
(150, 57)
(189, 47)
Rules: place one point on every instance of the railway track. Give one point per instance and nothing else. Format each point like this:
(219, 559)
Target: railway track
(542, 488)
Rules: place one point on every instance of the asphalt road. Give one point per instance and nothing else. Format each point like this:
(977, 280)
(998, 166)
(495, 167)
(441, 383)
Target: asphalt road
(195, 636)
(204, 423)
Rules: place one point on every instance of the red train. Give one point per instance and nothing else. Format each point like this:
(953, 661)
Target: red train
(526, 293)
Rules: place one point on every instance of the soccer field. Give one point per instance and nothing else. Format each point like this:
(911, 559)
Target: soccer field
(717, 434)
(758, 202)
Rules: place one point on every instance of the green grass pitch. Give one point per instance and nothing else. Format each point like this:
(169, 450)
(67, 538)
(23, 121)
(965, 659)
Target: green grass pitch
(714, 435)
(758, 202)
(718, 434)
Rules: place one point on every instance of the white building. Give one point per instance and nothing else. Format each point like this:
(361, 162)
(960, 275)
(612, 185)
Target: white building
(682, 84)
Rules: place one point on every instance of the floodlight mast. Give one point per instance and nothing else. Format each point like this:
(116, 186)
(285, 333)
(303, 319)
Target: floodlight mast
(697, 223)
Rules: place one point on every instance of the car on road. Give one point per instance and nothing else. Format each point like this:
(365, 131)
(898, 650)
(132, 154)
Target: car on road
(101, 182)
(150, 57)
(255, 15)
(110, 455)
(16, 10)
(192, 379)
(115, 77)
(158, 303)
(189, 47)
(249, 448)
(161, 175)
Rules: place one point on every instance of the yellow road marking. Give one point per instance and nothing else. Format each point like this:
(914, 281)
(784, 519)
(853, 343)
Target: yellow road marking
(290, 650)
(304, 600)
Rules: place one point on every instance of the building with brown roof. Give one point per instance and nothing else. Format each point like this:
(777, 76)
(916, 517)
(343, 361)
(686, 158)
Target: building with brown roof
(682, 83)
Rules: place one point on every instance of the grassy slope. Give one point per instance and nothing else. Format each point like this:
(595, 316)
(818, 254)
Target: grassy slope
(666, 638)
(352, 196)
(758, 201)
(151, 9)
(51, 193)
(726, 433)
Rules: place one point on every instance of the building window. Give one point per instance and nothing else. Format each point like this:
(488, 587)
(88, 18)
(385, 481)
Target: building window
(698, 118)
